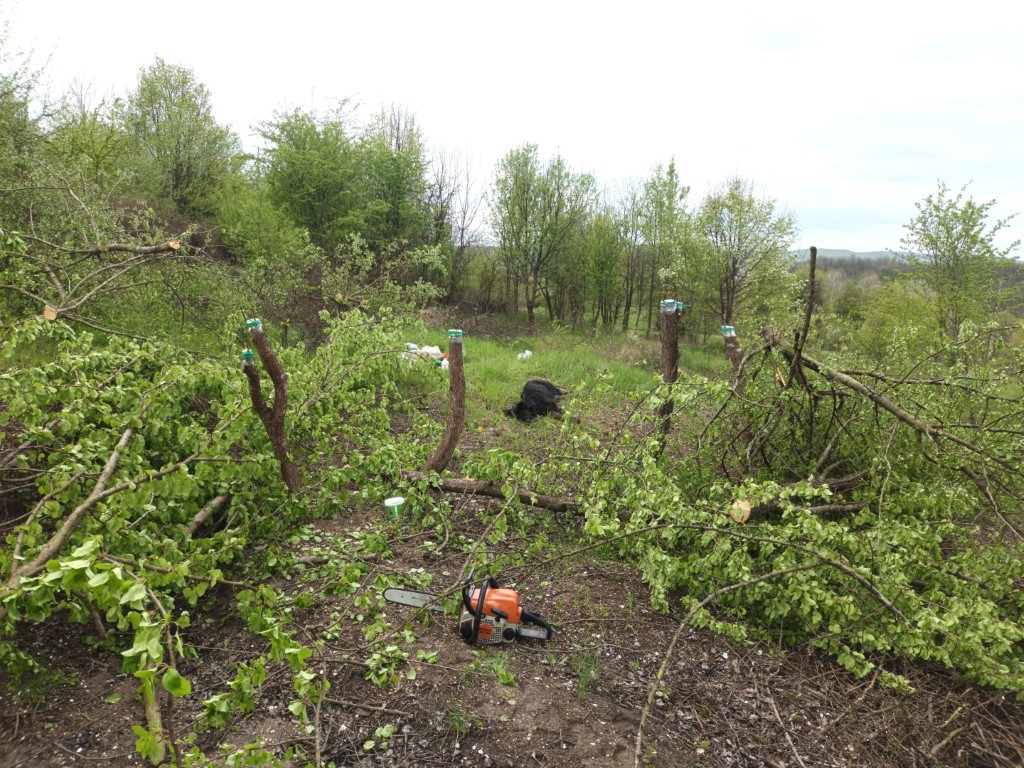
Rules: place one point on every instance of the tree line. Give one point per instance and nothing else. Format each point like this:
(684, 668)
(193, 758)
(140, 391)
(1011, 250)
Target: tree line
(333, 212)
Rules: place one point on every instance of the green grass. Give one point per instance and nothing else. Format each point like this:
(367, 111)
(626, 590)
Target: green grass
(570, 358)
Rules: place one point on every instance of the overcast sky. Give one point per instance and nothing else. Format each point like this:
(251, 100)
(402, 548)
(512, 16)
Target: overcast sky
(846, 114)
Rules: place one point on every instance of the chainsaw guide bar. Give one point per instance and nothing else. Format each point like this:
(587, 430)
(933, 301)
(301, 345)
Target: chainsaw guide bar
(415, 599)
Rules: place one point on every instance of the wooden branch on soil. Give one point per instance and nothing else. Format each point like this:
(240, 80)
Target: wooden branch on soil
(456, 408)
(493, 490)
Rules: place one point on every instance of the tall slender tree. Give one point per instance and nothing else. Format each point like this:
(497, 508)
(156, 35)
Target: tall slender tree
(664, 214)
(631, 233)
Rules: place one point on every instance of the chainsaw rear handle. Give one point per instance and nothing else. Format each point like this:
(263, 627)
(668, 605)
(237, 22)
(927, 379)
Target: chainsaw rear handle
(471, 635)
(467, 590)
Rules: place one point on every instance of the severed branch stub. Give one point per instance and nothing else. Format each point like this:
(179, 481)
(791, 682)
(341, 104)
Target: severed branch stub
(456, 407)
(271, 416)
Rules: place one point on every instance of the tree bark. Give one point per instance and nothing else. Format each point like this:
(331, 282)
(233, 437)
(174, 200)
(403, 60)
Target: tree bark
(456, 410)
(669, 363)
(272, 417)
(493, 490)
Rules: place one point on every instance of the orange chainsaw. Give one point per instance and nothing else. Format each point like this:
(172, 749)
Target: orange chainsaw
(490, 615)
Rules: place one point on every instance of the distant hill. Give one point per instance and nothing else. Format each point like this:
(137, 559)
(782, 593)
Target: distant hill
(843, 253)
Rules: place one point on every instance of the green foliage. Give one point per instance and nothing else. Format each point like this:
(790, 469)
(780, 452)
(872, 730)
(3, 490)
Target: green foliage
(496, 663)
(174, 433)
(85, 137)
(311, 172)
(898, 321)
(382, 666)
(951, 247)
(181, 153)
(340, 233)
(381, 738)
(604, 249)
(394, 168)
(906, 575)
(275, 253)
(667, 230)
(588, 669)
(743, 262)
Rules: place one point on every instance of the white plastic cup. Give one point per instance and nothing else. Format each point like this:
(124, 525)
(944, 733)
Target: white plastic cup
(395, 506)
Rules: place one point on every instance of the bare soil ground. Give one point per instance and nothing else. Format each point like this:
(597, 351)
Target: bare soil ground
(576, 700)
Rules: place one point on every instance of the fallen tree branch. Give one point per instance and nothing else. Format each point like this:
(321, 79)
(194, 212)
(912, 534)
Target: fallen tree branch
(493, 490)
(204, 514)
(933, 433)
(57, 540)
(364, 705)
(139, 250)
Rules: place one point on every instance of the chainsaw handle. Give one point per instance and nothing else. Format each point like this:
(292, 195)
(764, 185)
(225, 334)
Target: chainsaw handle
(467, 593)
(467, 602)
(479, 613)
(467, 590)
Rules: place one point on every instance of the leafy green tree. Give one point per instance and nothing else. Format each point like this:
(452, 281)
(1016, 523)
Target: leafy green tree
(951, 245)
(182, 153)
(20, 130)
(745, 259)
(899, 322)
(312, 173)
(84, 135)
(537, 210)
(275, 253)
(397, 188)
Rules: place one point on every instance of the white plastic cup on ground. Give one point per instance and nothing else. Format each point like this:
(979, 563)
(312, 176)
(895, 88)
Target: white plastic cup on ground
(395, 506)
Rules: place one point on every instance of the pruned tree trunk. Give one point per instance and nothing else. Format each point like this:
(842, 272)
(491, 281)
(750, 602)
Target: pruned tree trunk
(272, 417)
(734, 353)
(456, 407)
(670, 312)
